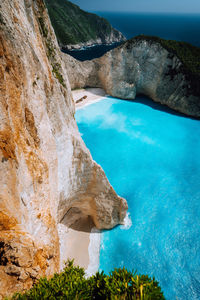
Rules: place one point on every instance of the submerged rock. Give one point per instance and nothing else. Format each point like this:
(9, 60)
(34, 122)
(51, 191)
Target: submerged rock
(45, 168)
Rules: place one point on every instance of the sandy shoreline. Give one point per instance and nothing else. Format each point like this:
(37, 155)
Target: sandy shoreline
(84, 97)
(81, 242)
(84, 244)
(82, 239)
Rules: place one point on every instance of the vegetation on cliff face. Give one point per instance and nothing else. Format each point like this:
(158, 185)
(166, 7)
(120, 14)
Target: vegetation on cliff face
(188, 54)
(72, 284)
(51, 53)
(73, 25)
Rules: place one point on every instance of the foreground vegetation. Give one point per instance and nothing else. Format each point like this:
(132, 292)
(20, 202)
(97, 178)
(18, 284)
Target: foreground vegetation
(72, 284)
(73, 25)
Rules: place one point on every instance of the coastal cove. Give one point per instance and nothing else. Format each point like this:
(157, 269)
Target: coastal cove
(90, 170)
(150, 156)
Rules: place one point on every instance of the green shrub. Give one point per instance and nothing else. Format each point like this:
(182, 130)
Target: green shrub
(50, 50)
(58, 75)
(72, 284)
(43, 29)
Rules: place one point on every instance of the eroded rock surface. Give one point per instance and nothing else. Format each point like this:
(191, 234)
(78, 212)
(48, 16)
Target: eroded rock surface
(82, 74)
(45, 168)
(139, 66)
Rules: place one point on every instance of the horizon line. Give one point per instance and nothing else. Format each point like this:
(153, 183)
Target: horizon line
(150, 12)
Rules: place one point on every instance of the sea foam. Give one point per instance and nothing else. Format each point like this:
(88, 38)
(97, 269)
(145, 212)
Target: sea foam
(127, 222)
(94, 251)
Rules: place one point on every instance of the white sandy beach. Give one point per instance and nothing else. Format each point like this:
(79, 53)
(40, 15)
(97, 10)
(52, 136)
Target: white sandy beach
(88, 96)
(83, 245)
(82, 238)
(81, 242)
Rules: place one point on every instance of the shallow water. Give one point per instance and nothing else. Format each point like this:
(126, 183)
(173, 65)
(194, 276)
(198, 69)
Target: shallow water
(151, 158)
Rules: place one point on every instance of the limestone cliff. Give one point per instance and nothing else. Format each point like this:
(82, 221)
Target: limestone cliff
(82, 74)
(145, 66)
(46, 172)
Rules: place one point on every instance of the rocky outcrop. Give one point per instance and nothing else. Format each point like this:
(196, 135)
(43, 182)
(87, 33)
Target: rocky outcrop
(82, 74)
(141, 66)
(76, 28)
(46, 171)
(108, 40)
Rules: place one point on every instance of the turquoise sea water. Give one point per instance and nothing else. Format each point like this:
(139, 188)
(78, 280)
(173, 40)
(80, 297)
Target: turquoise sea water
(152, 158)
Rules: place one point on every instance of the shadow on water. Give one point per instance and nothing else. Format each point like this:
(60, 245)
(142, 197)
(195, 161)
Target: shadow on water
(142, 99)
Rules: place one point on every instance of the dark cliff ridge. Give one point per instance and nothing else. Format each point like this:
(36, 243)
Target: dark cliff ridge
(166, 71)
(76, 28)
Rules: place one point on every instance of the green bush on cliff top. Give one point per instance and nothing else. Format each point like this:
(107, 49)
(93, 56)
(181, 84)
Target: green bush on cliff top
(187, 53)
(72, 284)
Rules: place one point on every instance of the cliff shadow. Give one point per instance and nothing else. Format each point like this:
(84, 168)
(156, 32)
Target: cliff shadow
(96, 91)
(76, 220)
(143, 99)
(84, 224)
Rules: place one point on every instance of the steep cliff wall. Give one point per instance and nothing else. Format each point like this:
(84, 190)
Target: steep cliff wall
(82, 74)
(76, 28)
(145, 66)
(46, 171)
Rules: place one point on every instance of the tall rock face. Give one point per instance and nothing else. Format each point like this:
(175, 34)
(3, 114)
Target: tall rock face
(46, 172)
(82, 74)
(76, 28)
(145, 66)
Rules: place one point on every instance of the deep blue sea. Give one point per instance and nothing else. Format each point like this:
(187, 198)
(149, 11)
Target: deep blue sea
(151, 157)
(181, 27)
